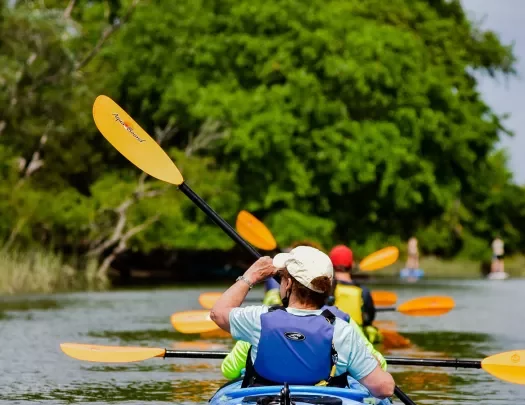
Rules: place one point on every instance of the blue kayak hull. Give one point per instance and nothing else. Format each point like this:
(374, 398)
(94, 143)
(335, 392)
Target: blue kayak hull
(233, 394)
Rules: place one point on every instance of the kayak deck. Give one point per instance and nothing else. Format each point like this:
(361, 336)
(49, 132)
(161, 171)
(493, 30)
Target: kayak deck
(233, 394)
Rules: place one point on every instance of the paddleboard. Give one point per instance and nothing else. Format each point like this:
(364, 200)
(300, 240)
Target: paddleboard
(411, 274)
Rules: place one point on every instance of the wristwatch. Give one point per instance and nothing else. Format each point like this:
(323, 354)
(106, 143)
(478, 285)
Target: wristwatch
(245, 280)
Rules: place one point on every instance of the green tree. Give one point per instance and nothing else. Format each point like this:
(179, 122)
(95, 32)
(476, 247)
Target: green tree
(362, 112)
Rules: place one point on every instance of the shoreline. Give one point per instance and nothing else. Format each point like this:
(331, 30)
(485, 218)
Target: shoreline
(52, 276)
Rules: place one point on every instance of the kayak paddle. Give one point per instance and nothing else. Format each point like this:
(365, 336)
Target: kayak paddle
(193, 322)
(508, 366)
(383, 298)
(208, 299)
(423, 306)
(254, 231)
(140, 149)
(198, 321)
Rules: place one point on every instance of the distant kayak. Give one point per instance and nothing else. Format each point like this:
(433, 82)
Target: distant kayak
(498, 275)
(411, 274)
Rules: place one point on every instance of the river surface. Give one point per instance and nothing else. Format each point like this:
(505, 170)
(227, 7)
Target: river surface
(489, 318)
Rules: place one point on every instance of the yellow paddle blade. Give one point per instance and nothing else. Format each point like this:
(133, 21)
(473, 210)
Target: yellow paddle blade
(198, 321)
(133, 142)
(378, 260)
(208, 300)
(427, 306)
(110, 354)
(254, 231)
(216, 334)
(507, 366)
(384, 298)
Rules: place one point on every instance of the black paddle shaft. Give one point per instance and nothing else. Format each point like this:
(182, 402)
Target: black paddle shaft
(403, 397)
(398, 361)
(225, 226)
(452, 363)
(386, 309)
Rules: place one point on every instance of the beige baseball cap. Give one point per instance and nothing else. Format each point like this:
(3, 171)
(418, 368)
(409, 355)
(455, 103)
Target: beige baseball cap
(305, 263)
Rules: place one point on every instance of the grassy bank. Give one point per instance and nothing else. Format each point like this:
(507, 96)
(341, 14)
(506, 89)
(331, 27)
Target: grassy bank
(458, 268)
(42, 271)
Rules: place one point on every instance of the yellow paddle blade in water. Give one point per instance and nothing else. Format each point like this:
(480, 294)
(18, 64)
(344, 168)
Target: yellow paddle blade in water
(383, 298)
(254, 231)
(133, 142)
(208, 299)
(197, 321)
(508, 366)
(378, 260)
(110, 354)
(427, 306)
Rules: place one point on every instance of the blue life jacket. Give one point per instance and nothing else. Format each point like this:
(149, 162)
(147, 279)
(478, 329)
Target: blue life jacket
(293, 349)
(271, 284)
(337, 312)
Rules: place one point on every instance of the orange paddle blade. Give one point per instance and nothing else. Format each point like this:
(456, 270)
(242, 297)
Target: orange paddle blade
(384, 298)
(133, 142)
(254, 231)
(385, 324)
(193, 322)
(377, 260)
(507, 366)
(427, 306)
(208, 300)
(393, 340)
(110, 354)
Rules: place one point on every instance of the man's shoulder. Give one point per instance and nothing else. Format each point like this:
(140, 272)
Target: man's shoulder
(252, 309)
(342, 327)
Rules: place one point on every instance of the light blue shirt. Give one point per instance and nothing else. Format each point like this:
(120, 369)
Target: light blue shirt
(353, 355)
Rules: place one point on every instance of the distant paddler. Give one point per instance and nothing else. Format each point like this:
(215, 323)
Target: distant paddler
(498, 252)
(412, 272)
(351, 297)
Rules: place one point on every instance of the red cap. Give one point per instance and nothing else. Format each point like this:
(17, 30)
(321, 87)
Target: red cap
(341, 256)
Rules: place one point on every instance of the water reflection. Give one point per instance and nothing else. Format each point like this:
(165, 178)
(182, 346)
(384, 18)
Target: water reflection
(140, 336)
(192, 391)
(456, 344)
(101, 392)
(32, 304)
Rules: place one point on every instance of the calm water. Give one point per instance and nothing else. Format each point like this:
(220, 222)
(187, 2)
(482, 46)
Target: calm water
(489, 318)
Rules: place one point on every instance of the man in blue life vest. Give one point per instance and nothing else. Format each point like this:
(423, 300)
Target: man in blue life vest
(350, 297)
(298, 343)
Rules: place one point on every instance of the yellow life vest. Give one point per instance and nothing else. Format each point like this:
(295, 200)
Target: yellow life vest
(349, 299)
(272, 297)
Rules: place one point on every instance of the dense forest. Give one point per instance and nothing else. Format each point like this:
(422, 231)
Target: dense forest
(353, 121)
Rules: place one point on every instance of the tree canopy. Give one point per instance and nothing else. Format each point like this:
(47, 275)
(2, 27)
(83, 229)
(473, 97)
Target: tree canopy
(353, 121)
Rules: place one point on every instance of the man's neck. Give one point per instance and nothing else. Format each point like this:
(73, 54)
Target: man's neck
(295, 304)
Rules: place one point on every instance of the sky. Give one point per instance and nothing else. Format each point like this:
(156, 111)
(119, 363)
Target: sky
(507, 19)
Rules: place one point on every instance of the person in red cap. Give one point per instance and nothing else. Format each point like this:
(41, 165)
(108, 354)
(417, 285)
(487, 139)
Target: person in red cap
(351, 297)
